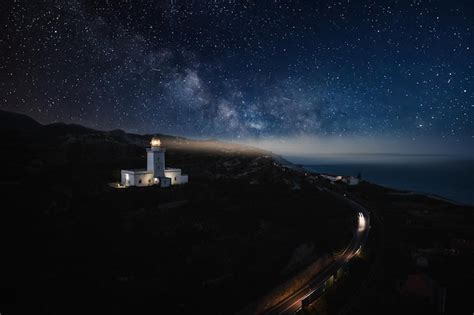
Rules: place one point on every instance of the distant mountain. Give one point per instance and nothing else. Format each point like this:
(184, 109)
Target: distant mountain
(17, 122)
(73, 134)
(58, 144)
(71, 128)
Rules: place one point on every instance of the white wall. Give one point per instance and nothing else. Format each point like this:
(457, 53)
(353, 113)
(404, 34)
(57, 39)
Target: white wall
(176, 177)
(181, 179)
(124, 176)
(353, 181)
(173, 174)
(145, 178)
(155, 162)
(134, 178)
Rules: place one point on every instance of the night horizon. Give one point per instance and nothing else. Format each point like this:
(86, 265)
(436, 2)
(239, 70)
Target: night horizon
(235, 70)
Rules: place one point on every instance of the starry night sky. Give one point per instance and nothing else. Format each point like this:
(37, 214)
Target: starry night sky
(239, 69)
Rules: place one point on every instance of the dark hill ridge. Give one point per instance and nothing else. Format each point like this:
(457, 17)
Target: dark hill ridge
(19, 122)
(61, 133)
(26, 125)
(69, 144)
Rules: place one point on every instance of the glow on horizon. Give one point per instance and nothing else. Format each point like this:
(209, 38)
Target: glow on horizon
(307, 146)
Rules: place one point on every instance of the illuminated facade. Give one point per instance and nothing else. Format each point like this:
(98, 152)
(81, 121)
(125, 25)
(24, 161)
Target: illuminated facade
(156, 173)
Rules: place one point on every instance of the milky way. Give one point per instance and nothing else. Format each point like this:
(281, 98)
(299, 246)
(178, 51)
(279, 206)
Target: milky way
(237, 69)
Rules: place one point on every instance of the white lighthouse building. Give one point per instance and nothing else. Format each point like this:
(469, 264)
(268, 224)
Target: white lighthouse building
(156, 173)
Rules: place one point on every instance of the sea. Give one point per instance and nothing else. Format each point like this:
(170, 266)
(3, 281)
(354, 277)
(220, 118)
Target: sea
(449, 177)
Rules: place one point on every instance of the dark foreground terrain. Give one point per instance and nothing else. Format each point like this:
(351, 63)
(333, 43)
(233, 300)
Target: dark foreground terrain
(244, 225)
(418, 260)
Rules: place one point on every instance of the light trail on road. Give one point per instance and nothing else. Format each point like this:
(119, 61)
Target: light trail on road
(293, 303)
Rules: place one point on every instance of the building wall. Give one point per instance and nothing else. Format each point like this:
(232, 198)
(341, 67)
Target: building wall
(156, 162)
(136, 179)
(127, 179)
(176, 177)
(172, 173)
(145, 179)
(165, 182)
(353, 181)
(181, 179)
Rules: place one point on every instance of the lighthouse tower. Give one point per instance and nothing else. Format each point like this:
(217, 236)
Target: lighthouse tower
(156, 158)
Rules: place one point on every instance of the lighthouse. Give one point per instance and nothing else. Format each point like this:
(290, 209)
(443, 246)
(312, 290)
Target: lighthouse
(156, 158)
(156, 173)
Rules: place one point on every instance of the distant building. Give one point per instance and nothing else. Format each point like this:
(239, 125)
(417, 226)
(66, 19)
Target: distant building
(349, 180)
(352, 180)
(156, 173)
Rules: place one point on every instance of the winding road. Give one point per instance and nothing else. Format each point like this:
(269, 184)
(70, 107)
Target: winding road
(294, 302)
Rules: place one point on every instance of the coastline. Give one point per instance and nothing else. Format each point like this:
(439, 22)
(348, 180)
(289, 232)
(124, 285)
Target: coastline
(395, 191)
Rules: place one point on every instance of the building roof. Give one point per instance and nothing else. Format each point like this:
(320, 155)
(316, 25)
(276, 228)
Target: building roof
(172, 169)
(138, 171)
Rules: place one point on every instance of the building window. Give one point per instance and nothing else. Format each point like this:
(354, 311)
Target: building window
(140, 181)
(149, 181)
(175, 179)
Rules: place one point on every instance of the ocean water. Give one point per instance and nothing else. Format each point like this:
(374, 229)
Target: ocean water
(446, 176)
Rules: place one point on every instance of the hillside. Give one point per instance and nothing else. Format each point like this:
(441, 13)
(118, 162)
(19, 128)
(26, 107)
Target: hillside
(243, 225)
